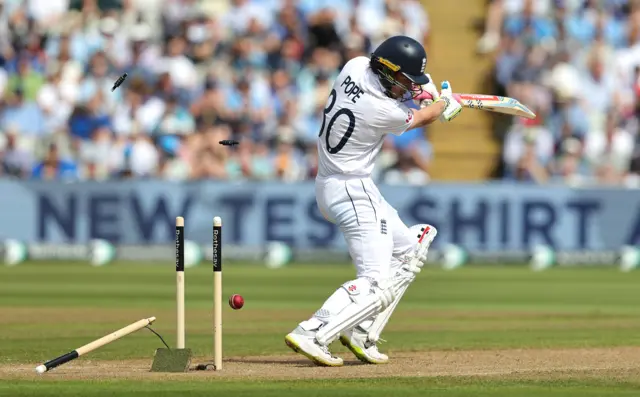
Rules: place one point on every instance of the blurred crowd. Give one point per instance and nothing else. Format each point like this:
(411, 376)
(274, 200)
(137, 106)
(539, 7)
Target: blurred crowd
(198, 71)
(576, 63)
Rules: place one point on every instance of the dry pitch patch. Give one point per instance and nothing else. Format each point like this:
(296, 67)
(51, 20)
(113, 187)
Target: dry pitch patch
(621, 363)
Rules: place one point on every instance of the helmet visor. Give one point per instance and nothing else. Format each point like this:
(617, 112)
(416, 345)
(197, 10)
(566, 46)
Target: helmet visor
(418, 80)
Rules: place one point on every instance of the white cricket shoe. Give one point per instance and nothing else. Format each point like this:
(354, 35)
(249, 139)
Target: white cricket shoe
(304, 342)
(358, 342)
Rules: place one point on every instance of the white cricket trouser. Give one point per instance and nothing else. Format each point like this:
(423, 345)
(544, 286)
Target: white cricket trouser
(375, 235)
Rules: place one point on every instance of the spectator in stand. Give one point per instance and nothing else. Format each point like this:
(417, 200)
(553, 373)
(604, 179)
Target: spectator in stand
(405, 171)
(26, 116)
(53, 167)
(528, 151)
(16, 162)
(577, 63)
(610, 151)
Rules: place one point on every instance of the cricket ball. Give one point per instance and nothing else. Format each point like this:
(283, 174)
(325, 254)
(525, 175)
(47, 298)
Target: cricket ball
(236, 301)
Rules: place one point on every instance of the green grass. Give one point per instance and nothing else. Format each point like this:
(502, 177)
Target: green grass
(50, 308)
(388, 387)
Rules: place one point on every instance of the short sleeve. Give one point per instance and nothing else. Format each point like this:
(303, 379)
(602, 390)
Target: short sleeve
(391, 117)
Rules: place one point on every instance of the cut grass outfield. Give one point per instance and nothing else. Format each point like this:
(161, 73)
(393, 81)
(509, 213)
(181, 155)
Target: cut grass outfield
(448, 387)
(50, 308)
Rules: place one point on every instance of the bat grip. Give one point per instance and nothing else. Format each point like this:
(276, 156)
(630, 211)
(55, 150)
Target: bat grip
(65, 358)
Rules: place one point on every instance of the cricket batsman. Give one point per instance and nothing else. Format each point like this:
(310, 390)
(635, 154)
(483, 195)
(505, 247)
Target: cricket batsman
(367, 102)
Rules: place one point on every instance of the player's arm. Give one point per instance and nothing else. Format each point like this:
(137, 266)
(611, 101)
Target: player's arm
(431, 109)
(393, 117)
(428, 114)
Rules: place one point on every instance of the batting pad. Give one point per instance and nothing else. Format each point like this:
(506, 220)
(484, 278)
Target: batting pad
(401, 286)
(349, 317)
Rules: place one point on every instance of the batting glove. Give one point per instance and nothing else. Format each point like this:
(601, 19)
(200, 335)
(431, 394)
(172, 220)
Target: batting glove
(452, 108)
(428, 95)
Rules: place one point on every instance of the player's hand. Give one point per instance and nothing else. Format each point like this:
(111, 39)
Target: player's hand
(428, 95)
(452, 108)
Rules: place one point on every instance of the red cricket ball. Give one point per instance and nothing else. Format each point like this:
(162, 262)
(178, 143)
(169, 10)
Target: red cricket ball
(236, 301)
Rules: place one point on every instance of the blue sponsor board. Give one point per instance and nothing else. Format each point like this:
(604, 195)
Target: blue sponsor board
(485, 217)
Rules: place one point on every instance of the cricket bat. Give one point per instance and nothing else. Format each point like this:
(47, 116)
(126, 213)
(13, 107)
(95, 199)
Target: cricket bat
(493, 103)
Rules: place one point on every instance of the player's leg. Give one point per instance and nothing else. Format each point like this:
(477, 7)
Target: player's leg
(411, 246)
(348, 204)
(355, 338)
(362, 339)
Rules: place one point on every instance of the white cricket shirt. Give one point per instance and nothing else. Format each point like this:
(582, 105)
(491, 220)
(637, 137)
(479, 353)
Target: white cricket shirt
(357, 116)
